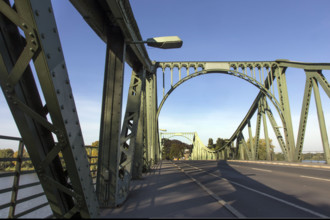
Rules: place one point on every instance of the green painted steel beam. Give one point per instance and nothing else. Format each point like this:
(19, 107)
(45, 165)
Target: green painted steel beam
(69, 190)
(320, 116)
(107, 170)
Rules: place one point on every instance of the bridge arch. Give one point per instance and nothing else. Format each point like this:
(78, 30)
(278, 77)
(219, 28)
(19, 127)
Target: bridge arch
(233, 71)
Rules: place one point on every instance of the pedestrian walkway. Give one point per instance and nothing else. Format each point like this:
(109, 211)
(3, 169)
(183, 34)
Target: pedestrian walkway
(166, 192)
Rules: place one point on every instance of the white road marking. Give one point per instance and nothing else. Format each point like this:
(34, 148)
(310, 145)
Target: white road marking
(217, 198)
(252, 168)
(267, 195)
(315, 178)
(261, 169)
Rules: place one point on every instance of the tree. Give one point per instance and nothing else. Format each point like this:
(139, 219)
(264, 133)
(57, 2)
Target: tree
(279, 157)
(173, 149)
(210, 144)
(220, 142)
(6, 153)
(262, 152)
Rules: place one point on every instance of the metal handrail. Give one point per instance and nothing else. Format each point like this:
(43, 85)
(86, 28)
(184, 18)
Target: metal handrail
(17, 173)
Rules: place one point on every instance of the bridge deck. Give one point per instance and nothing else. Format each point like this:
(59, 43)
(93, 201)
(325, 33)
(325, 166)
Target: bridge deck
(228, 189)
(167, 192)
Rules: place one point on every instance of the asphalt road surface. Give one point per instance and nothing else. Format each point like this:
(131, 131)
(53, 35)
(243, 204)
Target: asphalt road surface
(265, 190)
(227, 189)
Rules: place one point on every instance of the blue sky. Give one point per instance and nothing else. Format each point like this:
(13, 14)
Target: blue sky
(211, 30)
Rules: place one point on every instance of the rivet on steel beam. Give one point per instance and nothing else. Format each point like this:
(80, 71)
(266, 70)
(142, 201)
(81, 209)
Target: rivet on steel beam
(24, 25)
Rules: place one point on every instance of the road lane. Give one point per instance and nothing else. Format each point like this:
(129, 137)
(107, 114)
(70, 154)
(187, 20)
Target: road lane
(291, 196)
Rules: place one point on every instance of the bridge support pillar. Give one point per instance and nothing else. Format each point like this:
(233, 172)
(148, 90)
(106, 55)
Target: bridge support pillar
(152, 121)
(110, 119)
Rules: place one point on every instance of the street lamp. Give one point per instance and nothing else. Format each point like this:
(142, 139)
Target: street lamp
(168, 42)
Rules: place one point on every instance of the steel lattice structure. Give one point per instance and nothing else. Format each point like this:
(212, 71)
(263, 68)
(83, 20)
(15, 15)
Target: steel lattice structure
(48, 128)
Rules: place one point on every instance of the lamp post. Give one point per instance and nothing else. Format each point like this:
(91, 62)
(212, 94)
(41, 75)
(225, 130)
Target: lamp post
(168, 42)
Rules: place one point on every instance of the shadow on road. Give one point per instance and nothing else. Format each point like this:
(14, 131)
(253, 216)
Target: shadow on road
(167, 192)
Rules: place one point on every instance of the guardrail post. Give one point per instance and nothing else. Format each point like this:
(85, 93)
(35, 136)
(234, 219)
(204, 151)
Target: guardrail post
(18, 166)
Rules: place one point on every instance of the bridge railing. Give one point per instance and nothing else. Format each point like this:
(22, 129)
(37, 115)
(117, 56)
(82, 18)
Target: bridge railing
(33, 205)
(11, 204)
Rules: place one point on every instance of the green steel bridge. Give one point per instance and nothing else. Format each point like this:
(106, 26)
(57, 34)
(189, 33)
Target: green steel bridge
(29, 33)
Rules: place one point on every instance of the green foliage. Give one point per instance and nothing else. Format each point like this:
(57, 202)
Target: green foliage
(10, 165)
(279, 157)
(210, 144)
(262, 152)
(313, 156)
(6, 153)
(220, 142)
(173, 149)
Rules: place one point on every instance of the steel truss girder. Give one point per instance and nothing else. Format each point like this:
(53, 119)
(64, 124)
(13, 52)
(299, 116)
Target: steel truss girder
(276, 130)
(152, 121)
(244, 146)
(263, 106)
(312, 79)
(140, 140)
(128, 137)
(109, 141)
(68, 189)
(275, 70)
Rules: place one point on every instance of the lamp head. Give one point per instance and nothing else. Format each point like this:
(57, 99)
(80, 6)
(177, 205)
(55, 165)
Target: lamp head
(165, 42)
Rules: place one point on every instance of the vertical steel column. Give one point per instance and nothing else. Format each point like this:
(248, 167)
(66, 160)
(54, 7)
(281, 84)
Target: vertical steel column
(251, 142)
(146, 154)
(303, 116)
(320, 115)
(14, 193)
(171, 77)
(258, 123)
(157, 146)
(110, 118)
(68, 189)
(128, 136)
(163, 82)
(263, 104)
(284, 99)
(149, 103)
(139, 146)
(241, 147)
